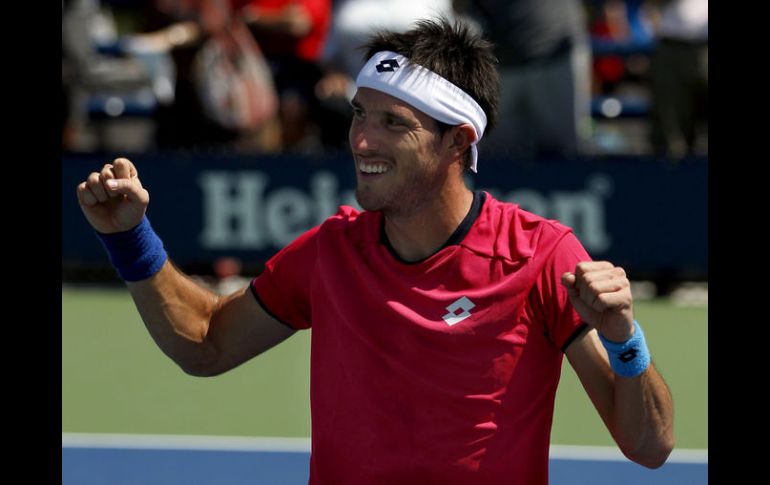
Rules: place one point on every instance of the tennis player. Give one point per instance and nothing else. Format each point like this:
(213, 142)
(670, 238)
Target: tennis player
(440, 315)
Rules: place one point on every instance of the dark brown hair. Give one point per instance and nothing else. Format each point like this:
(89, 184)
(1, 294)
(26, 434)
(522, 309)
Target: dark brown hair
(452, 51)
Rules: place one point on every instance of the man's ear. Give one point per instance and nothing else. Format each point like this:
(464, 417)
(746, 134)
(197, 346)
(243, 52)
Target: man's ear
(461, 137)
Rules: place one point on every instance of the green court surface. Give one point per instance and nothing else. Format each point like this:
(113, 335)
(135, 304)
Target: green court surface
(115, 380)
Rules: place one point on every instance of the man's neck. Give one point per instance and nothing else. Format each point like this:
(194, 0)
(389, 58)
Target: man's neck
(422, 232)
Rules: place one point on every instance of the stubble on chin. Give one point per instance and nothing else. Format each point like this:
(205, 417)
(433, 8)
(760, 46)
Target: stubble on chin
(368, 200)
(394, 203)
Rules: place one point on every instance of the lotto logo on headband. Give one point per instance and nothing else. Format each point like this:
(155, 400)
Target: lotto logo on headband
(388, 65)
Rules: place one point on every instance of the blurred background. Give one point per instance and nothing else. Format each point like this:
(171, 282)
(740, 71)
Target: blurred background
(236, 114)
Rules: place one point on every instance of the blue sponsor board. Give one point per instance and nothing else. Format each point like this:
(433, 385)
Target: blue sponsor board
(645, 214)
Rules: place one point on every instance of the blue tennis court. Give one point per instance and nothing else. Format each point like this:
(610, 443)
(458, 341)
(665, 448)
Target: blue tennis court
(172, 460)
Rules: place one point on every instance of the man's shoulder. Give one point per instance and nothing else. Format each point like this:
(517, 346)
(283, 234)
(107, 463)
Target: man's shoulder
(521, 219)
(349, 221)
(344, 216)
(508, 231)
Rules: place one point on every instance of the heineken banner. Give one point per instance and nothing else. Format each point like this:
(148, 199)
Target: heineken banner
(645, 214)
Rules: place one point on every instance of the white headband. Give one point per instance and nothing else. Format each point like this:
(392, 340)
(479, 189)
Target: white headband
(422, 88)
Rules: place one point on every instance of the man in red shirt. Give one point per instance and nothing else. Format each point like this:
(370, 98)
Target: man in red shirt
(439, 315)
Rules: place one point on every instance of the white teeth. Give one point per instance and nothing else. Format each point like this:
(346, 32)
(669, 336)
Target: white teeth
(372, 167)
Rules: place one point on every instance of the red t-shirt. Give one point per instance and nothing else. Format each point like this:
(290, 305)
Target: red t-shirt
(442, 371)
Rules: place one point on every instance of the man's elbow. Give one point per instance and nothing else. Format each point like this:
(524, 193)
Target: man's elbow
(197, 371)
(197, 360)
(653, 456)
(200, 368)
(209, 368)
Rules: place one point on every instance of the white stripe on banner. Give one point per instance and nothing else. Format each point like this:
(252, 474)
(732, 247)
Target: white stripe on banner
(302, 445)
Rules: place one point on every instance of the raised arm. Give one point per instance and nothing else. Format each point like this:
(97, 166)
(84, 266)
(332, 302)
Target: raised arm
(204, 333)
(637, 408)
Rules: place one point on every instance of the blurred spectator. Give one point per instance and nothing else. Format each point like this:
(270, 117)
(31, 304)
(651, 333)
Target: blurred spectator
(291, 34)
(224, 94)
(679, 78)
(352, 24)
(355, 20)
(91, 71)
(544, 53)
(621, 24)
(67, 76)
(227, 272)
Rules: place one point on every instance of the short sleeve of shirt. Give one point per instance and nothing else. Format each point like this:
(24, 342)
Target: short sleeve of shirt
(550, 297)
(283, 288)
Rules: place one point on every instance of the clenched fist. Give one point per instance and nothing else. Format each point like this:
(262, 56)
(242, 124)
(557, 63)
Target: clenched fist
(113, 200)
(601, 294)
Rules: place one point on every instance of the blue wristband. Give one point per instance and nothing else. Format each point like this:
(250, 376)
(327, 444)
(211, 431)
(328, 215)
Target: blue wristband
(137, 253)
(629, 358)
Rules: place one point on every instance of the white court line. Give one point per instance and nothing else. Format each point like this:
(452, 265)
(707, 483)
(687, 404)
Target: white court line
(302, 445)
(610, 453)
(184, 442)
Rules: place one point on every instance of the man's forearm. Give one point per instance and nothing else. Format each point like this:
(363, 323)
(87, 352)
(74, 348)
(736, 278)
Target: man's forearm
(177, 313)
(643, 418)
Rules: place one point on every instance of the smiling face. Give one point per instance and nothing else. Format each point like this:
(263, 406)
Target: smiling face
(398, 151)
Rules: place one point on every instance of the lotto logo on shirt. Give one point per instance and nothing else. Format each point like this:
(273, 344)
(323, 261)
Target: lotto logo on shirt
(458, 311)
